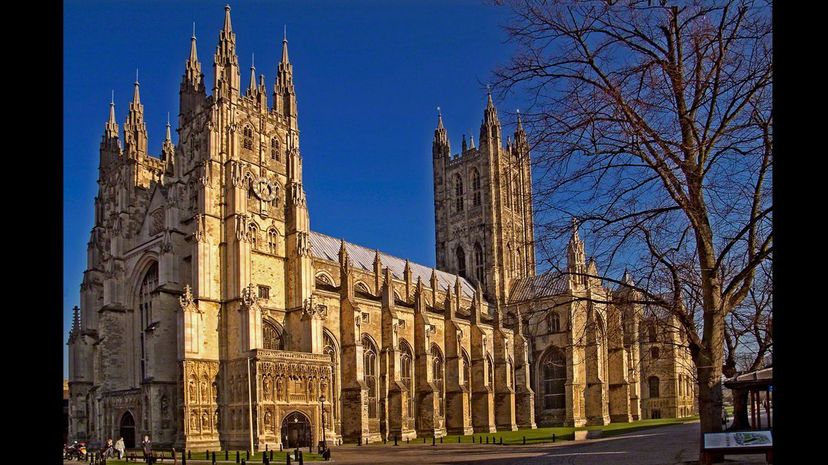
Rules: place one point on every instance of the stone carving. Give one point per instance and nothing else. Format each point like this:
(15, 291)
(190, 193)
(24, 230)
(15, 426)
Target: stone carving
(166, 242)
(279, 388)
(303, 244)
(200, 232)
(165, 405)
(312, 309)
(266, 388)
(236, 175)
(242, 234)
(205, 421)
(186, 299)
(249, 295)
(268, 420)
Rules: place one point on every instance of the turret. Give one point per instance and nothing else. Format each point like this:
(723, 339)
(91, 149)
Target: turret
(440, 146)
(490, 128)
(110, 143)
(576, 259)
(135, 130)
(284, 94)
(192, 92)
(168, 150)
(226, 63)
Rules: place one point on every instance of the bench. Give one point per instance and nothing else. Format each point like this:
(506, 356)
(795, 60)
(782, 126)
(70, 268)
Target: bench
(736, 443)
(137, 455)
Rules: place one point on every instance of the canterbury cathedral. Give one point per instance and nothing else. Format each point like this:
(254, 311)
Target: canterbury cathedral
(210, 308)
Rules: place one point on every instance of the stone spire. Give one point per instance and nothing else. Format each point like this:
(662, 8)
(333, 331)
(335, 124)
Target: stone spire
(226, 63)
(575, 254)
(490, 128)
(440, 146)
(111, 129)
(521, 144)
(284, 94)
(168, 149)
(344, 260)
(251, 89)
(75, 330)
(193, 77)
(135, 130)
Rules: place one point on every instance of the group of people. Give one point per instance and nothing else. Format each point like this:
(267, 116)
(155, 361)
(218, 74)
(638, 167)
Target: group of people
(118, 448)
(110, 450)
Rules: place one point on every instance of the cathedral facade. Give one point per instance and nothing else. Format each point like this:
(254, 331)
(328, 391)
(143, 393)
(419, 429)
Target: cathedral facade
(210, 312)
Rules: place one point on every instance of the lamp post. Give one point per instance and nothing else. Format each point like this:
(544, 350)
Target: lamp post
(322, 405)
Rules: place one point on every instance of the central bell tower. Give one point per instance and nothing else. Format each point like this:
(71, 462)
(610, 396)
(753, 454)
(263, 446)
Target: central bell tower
(483, 206)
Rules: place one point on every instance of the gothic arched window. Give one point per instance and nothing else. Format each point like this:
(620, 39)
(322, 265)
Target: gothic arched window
(272, 336)
(475, 188)
(437, 372)
(148, 285)
(369, 354)
(253, 234)
(554, 322)
(247, 140)
(274, 149)
(651, 332)
(272, 240)
(478, 263)
(490, 372)
(461, 261)
(553, 379)
(407, 373)
(458, 193)
(652, 381)
(516, 193)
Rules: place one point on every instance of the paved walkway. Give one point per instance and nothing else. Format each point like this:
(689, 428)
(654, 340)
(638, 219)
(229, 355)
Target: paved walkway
(666, 445)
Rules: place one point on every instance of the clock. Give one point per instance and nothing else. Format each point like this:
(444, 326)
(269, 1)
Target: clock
(264, 189)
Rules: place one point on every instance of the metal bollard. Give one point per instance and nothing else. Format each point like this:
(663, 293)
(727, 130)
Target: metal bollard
(183, 459)
(207, 454)
(553, 437)
(441, 439)
(408, 441)
(501, 440)
(226, 455)
(189, 454)
(243, 462)
(433, 440)
(423, 439)
(248, 454)
(301, 458)
(487, 439)
(458, 439)
(524, 440)
(214, 458)
(237, 456)
(288, 458)
(395, 440)
(271, 456)
(359, 441)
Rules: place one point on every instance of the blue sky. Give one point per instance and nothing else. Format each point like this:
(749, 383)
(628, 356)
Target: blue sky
(369, 76)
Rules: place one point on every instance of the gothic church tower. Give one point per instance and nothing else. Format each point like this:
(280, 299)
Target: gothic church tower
(483, 206)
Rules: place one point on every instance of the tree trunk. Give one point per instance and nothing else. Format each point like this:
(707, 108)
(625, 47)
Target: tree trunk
(709, 370)
(740, 410)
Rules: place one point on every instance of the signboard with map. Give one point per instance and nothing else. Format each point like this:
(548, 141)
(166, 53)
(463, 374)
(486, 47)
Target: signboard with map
(738, 439)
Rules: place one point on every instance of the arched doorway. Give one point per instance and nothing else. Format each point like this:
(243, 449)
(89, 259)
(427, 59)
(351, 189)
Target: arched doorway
(127, 430)
(296, 430)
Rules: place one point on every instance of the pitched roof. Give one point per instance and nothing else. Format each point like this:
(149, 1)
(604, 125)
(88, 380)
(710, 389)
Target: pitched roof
(327, 248)
(532, 287)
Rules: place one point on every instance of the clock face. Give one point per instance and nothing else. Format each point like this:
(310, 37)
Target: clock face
(264, 189)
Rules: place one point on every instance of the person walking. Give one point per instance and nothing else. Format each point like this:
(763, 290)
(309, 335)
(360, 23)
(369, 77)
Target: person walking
(146, 445)
(119, 448)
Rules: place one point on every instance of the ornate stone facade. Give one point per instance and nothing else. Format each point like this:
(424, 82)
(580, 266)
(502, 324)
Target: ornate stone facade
(209, 306)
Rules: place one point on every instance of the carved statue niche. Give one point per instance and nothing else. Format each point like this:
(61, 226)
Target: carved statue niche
(165, 406)
(279, 388)
(205, 421)
(215, 392)
(193, 390)
(266, 388)
(268, 420)
(193, 421)
(205, 393)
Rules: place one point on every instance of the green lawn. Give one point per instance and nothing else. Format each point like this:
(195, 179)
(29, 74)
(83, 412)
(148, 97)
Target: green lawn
(198, 458)
(542, 435)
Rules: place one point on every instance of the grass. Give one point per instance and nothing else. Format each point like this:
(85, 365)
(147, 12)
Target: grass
(198, 457)
(544, 435)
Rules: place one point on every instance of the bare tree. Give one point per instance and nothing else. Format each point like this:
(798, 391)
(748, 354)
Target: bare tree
(651, 123)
